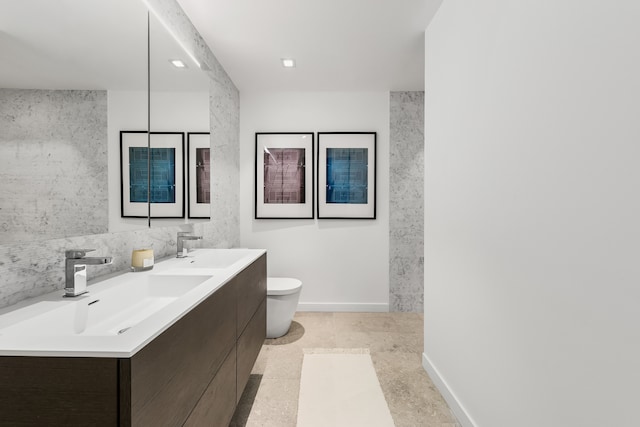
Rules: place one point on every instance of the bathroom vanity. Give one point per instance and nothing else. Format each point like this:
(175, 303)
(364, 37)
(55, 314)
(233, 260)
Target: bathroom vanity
(168, 347)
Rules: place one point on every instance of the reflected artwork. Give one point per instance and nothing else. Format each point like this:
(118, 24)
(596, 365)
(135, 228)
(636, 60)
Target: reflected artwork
(163, 175)
(203, 176)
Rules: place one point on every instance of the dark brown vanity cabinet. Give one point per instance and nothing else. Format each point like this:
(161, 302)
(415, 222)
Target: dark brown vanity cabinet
(192, 374)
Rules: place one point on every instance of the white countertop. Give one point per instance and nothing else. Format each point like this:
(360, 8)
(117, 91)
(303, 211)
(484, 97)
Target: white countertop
(48, 339)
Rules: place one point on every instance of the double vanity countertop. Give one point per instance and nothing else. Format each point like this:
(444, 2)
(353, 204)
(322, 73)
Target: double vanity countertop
(120, 314)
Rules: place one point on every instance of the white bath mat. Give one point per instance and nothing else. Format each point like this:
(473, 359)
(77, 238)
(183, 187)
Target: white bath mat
(341, 388)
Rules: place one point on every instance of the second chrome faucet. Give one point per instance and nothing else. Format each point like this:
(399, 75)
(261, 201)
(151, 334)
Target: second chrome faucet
(181, 251)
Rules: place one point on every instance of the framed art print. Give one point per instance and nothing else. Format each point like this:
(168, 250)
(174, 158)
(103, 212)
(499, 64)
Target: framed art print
(284, 181)
(347, 175)
(152, 185)
(199, 175)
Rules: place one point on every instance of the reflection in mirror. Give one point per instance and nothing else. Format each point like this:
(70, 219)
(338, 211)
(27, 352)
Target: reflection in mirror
(72, 74)
(179, 100)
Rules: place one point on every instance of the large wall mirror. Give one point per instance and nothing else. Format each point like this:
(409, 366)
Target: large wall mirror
(65, 67)
(73, 75)
(179, 123)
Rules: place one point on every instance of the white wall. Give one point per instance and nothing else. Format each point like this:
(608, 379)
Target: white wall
(171, 112)
(343, 264)
(126, 110)
(532, 212)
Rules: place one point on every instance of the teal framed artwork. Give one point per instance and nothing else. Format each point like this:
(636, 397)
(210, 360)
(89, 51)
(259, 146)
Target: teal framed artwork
(152, 174)
(346, 175)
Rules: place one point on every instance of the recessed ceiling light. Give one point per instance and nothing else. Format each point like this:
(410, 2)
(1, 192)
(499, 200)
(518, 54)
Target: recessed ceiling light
(178, 63)
(288, 63)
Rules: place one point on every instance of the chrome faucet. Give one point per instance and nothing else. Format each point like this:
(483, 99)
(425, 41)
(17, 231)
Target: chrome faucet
(181, 251)
(75, 270)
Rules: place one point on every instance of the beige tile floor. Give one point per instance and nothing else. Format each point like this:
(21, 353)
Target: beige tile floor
(395, 341)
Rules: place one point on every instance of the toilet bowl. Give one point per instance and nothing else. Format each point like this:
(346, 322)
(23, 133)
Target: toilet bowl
(282, 301)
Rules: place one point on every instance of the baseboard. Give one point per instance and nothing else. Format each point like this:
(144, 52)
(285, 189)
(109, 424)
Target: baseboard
(340, 306)
(456, 407)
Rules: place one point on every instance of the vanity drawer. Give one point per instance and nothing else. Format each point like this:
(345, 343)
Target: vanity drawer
(218, 403)
(251, 285)
(169, 374)
(58, 391)
(249, 345)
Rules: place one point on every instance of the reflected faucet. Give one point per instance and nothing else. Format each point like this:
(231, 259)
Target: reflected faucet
(75, 270)
(181, 251)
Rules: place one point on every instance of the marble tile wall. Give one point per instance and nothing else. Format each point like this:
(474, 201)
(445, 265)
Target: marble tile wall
(406, 189)
(33, 268)
(43, 133)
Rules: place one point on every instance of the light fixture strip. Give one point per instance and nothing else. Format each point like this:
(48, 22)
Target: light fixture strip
(159, 18)
(178, 63)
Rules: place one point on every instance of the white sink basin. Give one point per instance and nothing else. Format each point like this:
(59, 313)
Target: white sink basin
(192, 271)
(111, 311)
(212, 258)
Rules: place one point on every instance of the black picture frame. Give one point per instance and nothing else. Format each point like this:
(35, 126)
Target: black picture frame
(167, 199)
(199, 175)
(347, 175)
(285, 181)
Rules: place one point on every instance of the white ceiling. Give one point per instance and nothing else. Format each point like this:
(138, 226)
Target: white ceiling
(338, 45)
(89, 44)
(73, 44)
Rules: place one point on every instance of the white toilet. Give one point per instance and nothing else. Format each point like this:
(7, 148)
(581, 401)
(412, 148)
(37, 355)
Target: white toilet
(282, 301)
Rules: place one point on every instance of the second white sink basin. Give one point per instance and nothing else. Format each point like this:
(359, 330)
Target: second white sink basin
(212, 258)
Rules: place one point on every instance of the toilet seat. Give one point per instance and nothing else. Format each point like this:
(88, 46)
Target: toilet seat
(282, 285)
